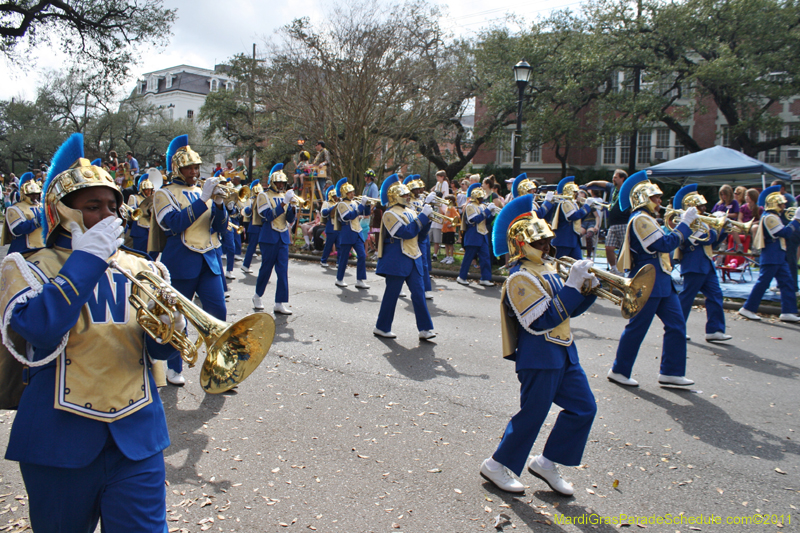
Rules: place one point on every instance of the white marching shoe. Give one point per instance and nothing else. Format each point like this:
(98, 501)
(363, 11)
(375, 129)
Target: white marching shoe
(486, 283)
(384, 334)
(789, 317)
(340, 283)
(282, 309)
(462, 281)
(718, 336)
(622, 380)
(176, 378)
(749, 314)
(257, 303)
(551, 476)
(429, 295)
(362, 284)
(427, 334)
(403, 295)
(501, 477)
(229, 274)
(680, 381)
(247, 270)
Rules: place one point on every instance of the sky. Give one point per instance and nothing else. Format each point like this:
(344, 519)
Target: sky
(208, 32)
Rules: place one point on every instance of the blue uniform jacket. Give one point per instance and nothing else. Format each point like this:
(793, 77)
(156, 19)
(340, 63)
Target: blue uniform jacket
(394, 262)
(268, 214)
(665, 243)
(471, 235)
(329, 212)
(695, 260)
(565, 236)
(182, 262)
(773, 254)
(346, 234)
(19, 244)
(47, 436)
(252, 229)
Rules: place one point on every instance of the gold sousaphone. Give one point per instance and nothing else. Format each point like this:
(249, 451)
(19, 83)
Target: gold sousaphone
(233, 351)
(635, 291)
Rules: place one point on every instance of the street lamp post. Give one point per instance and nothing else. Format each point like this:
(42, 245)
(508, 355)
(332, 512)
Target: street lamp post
(522, 75)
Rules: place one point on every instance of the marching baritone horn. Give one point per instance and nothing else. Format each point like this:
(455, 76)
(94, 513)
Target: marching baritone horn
(635, 291)
(233, 351)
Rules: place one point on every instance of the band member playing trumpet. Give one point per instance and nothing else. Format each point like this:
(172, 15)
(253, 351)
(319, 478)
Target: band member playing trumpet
(474, 228)
(697, 267)
(254, 227)
(418, 200)
(566, 218)
(647, 244)
(350, 237)
(140, 228)
(400, 259)
(535, 311)
(278, 214)
(773, 230)
(192, 218)
(522, 186)
(90, 428)
(22, 226)
(328, 212)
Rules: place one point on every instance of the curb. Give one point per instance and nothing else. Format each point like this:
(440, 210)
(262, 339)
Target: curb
(731, 306)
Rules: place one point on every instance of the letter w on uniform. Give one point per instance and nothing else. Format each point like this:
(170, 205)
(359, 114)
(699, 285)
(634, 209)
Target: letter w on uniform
(110, 296)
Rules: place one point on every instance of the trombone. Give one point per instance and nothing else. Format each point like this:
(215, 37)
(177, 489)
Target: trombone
(129, 213)
(635, 291)
(233, 351)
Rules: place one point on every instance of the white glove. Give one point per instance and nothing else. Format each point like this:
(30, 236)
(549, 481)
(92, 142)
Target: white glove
(208, 189)
(364, 200)
(690, 216)
(494, 209)
(579, 273)
(289, 195)
(590, 201)
(426, 210)
(796, 215)
(549, 196)
(102, 240)
(430, 197)
(177, 319)
(230, 205)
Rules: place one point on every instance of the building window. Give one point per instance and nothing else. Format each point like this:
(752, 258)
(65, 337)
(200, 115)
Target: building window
(774, 155)
(168, 84)
(610, 150)
(726, 136)
(172, 113)
(190, 114)
(214, 86)
(643, 152)
(228, 86)
(662, 137)
(624, 148)
(534, 155)
(680, 150)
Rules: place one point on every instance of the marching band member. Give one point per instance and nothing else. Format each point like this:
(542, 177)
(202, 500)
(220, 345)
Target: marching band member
(349, 227)
(418, 199)
(535, 311)
(697, 267)
(192, 219)
(400, 258)
(646, 243)
(22, 226)
(773, 230)
(328, 212)
(254, 228)
(140, 229)
(278, 214)
(476, 235)
(522, 185)
(90, 429)
(566, 220)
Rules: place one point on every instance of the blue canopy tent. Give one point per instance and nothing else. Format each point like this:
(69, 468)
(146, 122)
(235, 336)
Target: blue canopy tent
(706, 167)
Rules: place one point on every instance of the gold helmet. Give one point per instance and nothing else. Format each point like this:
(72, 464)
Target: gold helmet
(771, 199)
(516, 228)
(70, 172)
(28, 186)
(475, 193)
(567, 186)
(256, 188)
(276, 175)
(342, 188)
(394, 192)
(179, 155)
(636, 191)
(688, 197)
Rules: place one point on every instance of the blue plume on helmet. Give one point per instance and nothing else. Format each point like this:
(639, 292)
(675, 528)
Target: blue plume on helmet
(388, 182)
(677, 202)
(177, 143)
(339, 186)
(140, 180)
(472, 188)
(275, 168)
(25, 178)
(254, 183)
(515, 184)
(564, 181)
(327, 192)
(408, 179)
(627, 187)
(63, 159)
(513, 209)
(762, 198)
(97, 162)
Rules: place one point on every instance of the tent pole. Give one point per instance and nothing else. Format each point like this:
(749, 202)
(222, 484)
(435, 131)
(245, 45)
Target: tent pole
(763, 182)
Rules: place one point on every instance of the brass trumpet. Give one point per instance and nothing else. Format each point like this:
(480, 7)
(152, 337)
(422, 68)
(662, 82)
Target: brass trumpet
(129, 213)
(734, 226)
(298, 201)
(790, 211)
(635, 291)
(370, 200)
(237, 229)
(439, 201)
(233, 351)
(701, 223)
(539, 197)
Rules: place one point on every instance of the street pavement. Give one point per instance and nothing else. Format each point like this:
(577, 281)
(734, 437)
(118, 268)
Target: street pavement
(339, 430)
